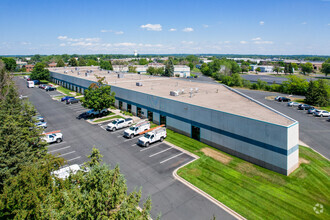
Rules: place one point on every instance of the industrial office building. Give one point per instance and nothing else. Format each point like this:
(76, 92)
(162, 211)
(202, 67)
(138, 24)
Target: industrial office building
(211, 113)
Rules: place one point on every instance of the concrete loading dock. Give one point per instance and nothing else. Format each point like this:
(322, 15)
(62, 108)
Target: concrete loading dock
(210, 113)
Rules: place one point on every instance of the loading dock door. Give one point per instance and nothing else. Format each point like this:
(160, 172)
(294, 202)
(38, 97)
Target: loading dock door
(129, 108)
(150, 116)
(163, 120)
(120, 105)
(139, 112)
(195, 133)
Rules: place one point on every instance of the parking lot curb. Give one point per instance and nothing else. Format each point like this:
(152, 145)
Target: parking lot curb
(196, 189)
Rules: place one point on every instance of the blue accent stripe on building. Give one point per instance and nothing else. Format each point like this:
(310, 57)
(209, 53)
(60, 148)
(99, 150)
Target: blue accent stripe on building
(217, 130)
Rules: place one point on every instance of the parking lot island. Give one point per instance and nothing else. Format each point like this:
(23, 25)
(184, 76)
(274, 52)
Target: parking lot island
(210, 113)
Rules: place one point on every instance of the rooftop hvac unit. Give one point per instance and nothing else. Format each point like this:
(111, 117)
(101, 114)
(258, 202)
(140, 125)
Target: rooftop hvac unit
(120, 75)
(174, 93)
(139, 84)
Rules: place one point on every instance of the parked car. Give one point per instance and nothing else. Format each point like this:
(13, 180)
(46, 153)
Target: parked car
(39, 118)
(159, 134)
(65, 172)
(119, 123)
(72, 100)
(311, 110)
(66, 98)
(293, 104)
(136, 129)
(304, 107)
(51, 138)
(26, 77)
(277, 97)
(50, 88)
(42, 86)
(321, 113)
(283, 99)
(36, 82)
(30, 84)
(41, 124)
(94, 113)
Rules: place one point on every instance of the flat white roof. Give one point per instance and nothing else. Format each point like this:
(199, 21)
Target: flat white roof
(212, 96)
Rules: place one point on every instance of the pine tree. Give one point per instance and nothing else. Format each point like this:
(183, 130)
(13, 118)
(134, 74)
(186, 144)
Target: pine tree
(60, 63)
(169, 68)
(311, 94)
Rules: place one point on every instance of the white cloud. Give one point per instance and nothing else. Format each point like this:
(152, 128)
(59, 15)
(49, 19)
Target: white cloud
(62, 44)
(263, 42)
(152, 27)
(62, 37)
(95, 39)
(124, 44)
(226, 42)
(188, 29)
(329, 24)
(257, 38)
(112, 31)
(243, 42)
(304, 23)
(205, 26)
(187, 42)
(25, 43)
(172, 29)
(261, 23)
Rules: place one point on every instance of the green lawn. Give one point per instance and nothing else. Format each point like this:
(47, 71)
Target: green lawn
(64, 90)
(195, 70)
(108, 118)
(255, 192)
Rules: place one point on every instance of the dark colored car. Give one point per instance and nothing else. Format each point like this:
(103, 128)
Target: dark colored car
(36, 82)
(284, 99)
(71, 101)
(42, 86)
(49, 88)
(66, 98)
(304, 107)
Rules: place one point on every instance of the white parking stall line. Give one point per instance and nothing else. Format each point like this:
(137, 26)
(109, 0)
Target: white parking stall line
(53, 145)
(160, 152)
(119, 136)
(171, 157)
(74, 158)
(134, 145)
(130, 139)
(73, 106)
(103, 127)
(59, 149)
(61, 155)
(155, 145)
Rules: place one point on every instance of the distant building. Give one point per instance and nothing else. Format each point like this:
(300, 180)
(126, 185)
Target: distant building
(20, 63)
(264, 69)
(29, 68)
(52, 65)
(181, 70)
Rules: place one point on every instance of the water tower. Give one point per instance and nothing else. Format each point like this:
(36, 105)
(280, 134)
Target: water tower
(135, 53)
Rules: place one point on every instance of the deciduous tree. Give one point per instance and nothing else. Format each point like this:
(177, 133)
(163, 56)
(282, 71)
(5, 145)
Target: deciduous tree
(73, 62)
(39, 72)
(60, 63)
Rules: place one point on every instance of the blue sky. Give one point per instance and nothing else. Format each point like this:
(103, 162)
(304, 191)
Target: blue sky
(153, 26)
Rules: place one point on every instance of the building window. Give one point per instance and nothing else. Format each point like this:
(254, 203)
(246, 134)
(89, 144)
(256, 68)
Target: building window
(163, 120)
(195, 133)
(129, 108)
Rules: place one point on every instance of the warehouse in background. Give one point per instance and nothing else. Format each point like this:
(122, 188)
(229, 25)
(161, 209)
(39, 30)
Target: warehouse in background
(211, 113)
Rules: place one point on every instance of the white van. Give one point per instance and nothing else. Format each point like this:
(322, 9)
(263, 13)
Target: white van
(30, 84)
(136, 129)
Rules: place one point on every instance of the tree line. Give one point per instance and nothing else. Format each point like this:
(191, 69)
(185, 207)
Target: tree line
(28, 188)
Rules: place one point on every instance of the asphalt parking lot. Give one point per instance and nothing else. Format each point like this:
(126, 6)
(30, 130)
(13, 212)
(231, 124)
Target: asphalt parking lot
(150, 168)
(314, 131)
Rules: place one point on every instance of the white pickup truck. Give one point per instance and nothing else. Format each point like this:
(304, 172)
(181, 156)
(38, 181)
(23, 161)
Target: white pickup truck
(159, 134)
(51, 138)
(119, 123)
(66, 171)
(136, 129)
